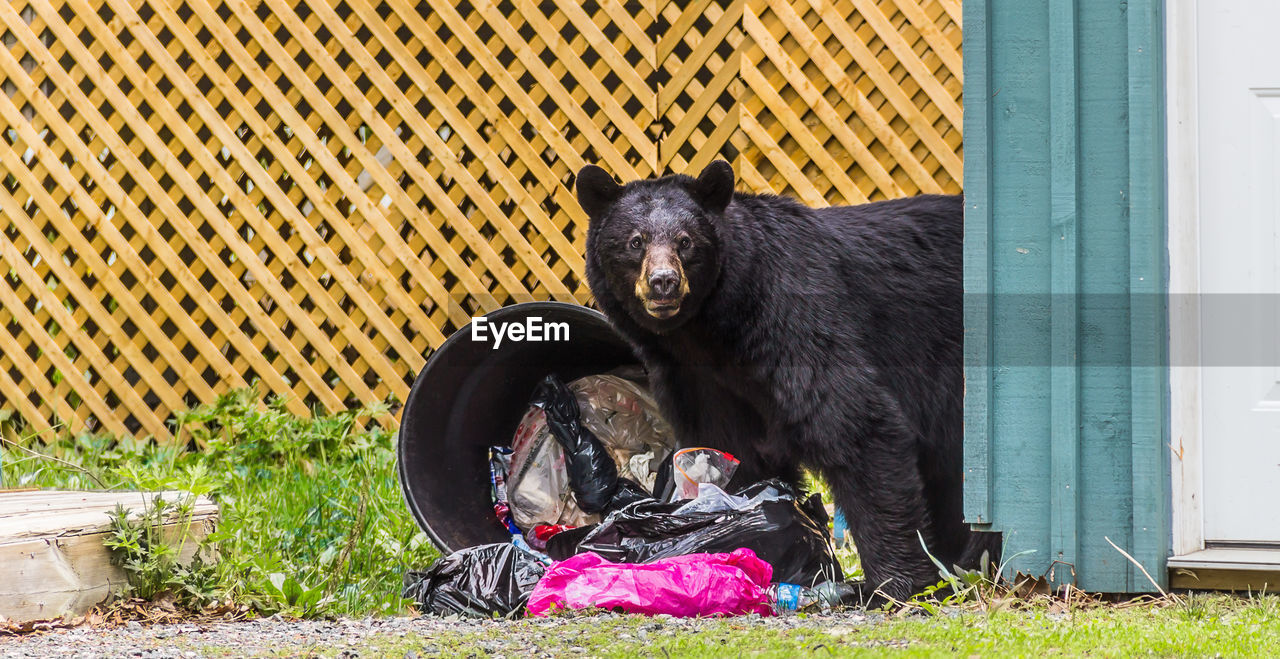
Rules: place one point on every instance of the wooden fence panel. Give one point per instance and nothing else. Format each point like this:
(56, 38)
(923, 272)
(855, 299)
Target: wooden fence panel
(851, 100)
(313, 194)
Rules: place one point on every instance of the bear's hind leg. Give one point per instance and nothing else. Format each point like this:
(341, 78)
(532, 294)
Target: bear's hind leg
(870, 461)
(887, 517)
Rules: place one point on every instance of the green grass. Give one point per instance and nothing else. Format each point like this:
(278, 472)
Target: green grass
(312, 519)
(1236, 629)
(1210, 625)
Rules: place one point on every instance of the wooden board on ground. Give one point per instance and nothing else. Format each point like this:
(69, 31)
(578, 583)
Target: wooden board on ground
(52, 551)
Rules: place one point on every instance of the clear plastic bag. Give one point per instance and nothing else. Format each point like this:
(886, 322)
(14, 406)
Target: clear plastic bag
(538, 488)
(625, 418)
(697, 465)
(712, 499)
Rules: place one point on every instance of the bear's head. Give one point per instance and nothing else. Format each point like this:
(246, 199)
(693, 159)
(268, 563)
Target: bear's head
(652, 245)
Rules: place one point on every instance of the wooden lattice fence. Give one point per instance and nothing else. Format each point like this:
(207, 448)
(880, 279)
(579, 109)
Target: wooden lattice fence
(198, 194)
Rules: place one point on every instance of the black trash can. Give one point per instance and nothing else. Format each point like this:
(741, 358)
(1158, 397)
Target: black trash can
(471, 396)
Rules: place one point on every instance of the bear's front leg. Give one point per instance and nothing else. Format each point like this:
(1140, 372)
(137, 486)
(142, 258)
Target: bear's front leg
(870, 460)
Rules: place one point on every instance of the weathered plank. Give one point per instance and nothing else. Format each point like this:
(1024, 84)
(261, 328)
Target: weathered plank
(1242, 581)
(51, 544)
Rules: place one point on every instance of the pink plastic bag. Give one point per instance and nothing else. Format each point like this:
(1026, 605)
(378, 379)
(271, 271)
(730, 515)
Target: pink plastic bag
(683, 586)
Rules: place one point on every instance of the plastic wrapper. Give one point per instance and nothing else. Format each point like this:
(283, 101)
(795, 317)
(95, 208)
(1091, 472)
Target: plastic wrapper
(723, 584)
(595, 445)
(539, 484)
(694, 466)
(479, 581)
(712, 499)
(788, 534)
(540, 534)
(624, 416)
(499, 466)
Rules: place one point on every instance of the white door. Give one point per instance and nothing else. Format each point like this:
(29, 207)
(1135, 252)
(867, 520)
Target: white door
(1238, 105)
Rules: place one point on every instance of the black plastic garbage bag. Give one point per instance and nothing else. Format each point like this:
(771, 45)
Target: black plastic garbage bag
(786, 533)
(627, 493)
(477, 581)
(593, 476)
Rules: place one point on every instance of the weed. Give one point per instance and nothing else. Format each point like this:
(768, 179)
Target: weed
(153, 563)
(983, 587)
(1263, 605)
(1197, 607)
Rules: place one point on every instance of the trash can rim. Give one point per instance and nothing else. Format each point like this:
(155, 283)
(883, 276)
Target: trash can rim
(462, 334)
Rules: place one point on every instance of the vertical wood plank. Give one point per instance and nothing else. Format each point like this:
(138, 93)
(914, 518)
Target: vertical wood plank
(1148, 299)
(1075, 434)
(979, 287)
(1064, 273)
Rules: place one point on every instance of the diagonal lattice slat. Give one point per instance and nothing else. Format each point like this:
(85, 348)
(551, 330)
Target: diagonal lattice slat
(313, 194)
(851, 100)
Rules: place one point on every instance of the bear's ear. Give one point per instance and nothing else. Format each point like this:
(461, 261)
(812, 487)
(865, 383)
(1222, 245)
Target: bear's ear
(714, 187)
(596, 190)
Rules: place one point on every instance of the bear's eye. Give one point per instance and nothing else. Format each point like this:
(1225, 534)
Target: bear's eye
(685, 243)
(636, 242)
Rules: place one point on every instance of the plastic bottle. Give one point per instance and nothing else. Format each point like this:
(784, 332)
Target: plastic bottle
(788, 598)
(839, 527)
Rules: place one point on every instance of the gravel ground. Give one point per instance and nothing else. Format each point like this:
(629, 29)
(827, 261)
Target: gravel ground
(376, 637)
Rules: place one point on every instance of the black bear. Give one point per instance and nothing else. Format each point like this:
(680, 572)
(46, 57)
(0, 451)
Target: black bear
(828, 339)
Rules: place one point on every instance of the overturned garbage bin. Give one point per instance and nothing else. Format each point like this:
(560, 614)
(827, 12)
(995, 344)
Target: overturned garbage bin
(471, 395)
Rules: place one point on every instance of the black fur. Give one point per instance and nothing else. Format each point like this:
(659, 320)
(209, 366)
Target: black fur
(821, 338)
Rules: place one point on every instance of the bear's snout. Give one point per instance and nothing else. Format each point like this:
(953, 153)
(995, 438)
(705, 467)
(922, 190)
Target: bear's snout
(663, 284)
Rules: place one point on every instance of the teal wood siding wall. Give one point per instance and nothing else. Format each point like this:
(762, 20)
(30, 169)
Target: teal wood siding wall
(1065, 272)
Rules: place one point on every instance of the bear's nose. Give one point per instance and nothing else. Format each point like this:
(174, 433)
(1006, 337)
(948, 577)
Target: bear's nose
(663, 283)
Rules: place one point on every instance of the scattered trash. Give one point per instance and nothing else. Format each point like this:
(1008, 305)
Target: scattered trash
(540, 534)
(671, 540)
(788, 534)
(694, 466)
(499, 464)
(787, 598)
(609, 445)
(539, 485)
(479, 581)
(729, 584)
(712, 499)
(593, 475)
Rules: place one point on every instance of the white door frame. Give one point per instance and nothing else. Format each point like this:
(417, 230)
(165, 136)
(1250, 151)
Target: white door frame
(1185, 384)
(1183, 211)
